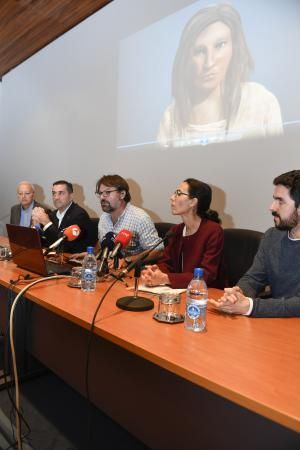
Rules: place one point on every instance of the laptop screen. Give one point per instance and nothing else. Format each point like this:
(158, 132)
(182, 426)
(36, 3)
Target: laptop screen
(26, 248)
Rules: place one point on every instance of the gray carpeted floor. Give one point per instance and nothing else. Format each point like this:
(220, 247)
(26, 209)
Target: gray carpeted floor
(59, 420)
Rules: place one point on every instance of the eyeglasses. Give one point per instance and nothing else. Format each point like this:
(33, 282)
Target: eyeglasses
(105, 193)
(179, 193)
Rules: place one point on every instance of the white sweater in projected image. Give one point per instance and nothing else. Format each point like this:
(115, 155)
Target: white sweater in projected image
(258, 115)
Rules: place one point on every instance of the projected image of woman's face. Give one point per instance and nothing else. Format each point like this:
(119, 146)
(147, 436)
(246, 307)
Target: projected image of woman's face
(209, 89)
(211, 56)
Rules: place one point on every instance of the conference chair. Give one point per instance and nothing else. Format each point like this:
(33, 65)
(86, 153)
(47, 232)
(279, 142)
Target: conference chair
(162, 228)
(94, 230)
(240, 247)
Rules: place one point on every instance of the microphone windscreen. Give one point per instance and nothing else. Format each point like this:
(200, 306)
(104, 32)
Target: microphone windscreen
(108, 241)
(123, 238)
(72, 232)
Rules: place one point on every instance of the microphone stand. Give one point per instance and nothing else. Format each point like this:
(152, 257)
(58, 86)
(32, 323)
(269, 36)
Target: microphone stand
(103, 266)
(60, 253)
(102, 271)
(116, 261)
(134, 302)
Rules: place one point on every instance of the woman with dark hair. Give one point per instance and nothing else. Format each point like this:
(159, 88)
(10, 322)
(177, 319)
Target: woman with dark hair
(213, 101)
(197, 242)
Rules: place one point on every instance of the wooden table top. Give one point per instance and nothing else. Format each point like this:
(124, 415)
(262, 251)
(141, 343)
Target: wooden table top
(253, 362)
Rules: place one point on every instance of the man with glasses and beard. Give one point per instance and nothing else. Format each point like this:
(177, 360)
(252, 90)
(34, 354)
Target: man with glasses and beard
(277, 262)
(119, 214)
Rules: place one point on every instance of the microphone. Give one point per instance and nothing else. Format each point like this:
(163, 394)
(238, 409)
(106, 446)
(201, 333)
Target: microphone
(134, 302)
(70, 233)
(141, 259)
(107, 244)
(122, 240)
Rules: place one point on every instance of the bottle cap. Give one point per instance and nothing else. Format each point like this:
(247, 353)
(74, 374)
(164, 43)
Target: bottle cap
(90, 250)
(198, 272)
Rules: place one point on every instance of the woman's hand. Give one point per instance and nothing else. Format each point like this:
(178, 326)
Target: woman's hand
(153, 276)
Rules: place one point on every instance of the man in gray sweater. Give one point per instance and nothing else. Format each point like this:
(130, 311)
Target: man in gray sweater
(277, 262)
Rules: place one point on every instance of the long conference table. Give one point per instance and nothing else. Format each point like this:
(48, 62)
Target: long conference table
(236, 386)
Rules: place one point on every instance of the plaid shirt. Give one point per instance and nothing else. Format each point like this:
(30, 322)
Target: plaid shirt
(136, 220)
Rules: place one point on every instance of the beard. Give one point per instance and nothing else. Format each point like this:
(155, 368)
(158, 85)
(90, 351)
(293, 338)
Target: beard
(286, 224)
(106, 207)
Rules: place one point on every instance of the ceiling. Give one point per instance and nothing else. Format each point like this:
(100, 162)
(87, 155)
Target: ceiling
(26, 26)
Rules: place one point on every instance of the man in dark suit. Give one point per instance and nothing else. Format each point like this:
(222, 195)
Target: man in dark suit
(67, 213)
(20, 214)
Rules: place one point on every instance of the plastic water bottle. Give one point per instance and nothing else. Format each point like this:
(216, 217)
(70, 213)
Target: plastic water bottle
(196, 303)
(89, 271)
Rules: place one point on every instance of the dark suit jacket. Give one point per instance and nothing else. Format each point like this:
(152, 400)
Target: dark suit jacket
(15, 213)
(75, 215)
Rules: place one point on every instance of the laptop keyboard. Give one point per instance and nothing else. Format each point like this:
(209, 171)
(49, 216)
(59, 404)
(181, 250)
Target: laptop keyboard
(60, 269)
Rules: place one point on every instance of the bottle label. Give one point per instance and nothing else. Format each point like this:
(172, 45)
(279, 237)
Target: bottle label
(193, 311)
(89, 275)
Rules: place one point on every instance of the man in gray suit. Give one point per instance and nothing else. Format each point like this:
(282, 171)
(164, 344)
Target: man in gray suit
(20, 214)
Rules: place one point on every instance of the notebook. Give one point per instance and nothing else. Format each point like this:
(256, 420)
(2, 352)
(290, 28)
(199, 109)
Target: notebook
(27, 252)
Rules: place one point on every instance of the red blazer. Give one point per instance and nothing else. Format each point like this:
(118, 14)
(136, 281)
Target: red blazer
(202, 249)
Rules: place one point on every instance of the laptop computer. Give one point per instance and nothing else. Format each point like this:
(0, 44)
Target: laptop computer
(27, 252)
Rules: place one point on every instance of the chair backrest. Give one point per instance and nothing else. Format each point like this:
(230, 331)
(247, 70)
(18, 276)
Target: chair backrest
(162, 228)
(240, 247)
(94, 229)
